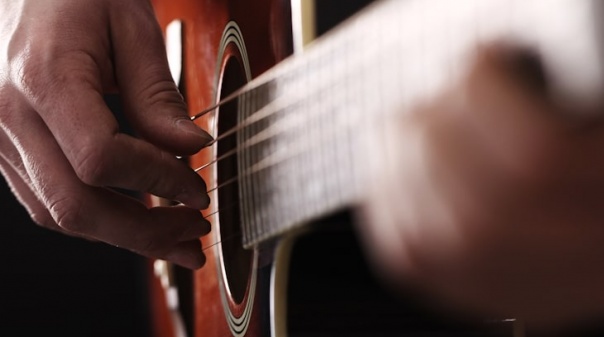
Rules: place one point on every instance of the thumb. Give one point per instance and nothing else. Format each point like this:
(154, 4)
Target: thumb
(151, 100)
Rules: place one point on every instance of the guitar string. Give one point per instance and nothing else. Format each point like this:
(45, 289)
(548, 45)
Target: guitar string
(247, 88)
(337, 75)
(262, 165)
(236, 94)
(255, 169)
(277, 105)
(272, 108)
(225, 239)
(288, 67)
(267, 162)
(276, 128)
(268, 110)
(221, 210)
(279, 156)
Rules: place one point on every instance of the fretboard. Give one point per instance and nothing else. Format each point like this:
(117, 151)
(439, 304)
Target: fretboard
(303, 150)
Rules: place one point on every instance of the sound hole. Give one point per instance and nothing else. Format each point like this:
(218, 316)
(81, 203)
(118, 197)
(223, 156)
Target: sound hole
(237, 261)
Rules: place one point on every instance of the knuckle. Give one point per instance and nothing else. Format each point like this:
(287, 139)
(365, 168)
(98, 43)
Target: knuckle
(5, 101)
(163, 92)
(30, 76)
(156, 184)
(152, 244)
(42, 78)
(67, 213)
(91, 164)
(157, 181)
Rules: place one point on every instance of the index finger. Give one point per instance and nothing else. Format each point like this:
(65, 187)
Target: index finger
(101, 155)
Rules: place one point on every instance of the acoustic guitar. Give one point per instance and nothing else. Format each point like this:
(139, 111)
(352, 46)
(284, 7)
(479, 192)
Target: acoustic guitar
(290, 115)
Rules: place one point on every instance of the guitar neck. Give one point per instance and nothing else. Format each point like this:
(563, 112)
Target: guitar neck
(302, 148)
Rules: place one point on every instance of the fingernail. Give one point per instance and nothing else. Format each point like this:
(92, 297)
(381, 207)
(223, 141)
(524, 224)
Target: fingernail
(186, 125)
(194, 200)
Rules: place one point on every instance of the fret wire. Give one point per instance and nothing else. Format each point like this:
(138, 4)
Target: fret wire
(417, 76)
(326, 157)
(268, 110)
(249, 131)
(352, 95)
(275, 106)
(332, 191)
(304, 180)
(260, 137)
(315, 197)
(274, 159)
(250, 182)
(323, 137)
(271, 108)
(243, 162)
(266, 200)
(251, 144)
(269, 161)
(266, 190)
(264, 79)
(301, 145)
(256, 186)
(318, 197)
(319, 166)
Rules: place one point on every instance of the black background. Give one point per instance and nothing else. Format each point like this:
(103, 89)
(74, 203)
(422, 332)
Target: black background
(63, 286)
(58, 285)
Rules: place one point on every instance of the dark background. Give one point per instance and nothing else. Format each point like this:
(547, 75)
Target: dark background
(57, 285)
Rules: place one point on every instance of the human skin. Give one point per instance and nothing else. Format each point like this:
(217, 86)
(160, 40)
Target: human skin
(61, 149)
(490, 200)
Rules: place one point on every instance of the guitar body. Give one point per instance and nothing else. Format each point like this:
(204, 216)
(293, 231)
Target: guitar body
(224, 45)
(304, 283)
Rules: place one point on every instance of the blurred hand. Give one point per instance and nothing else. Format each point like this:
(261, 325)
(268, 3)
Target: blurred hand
(61, 149)
(491, 200)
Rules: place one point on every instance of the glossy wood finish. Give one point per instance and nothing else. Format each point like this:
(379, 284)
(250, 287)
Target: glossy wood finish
(266, 31)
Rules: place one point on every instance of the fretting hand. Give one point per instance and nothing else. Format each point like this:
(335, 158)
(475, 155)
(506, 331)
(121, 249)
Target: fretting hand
(491, 200)
(61, 149)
